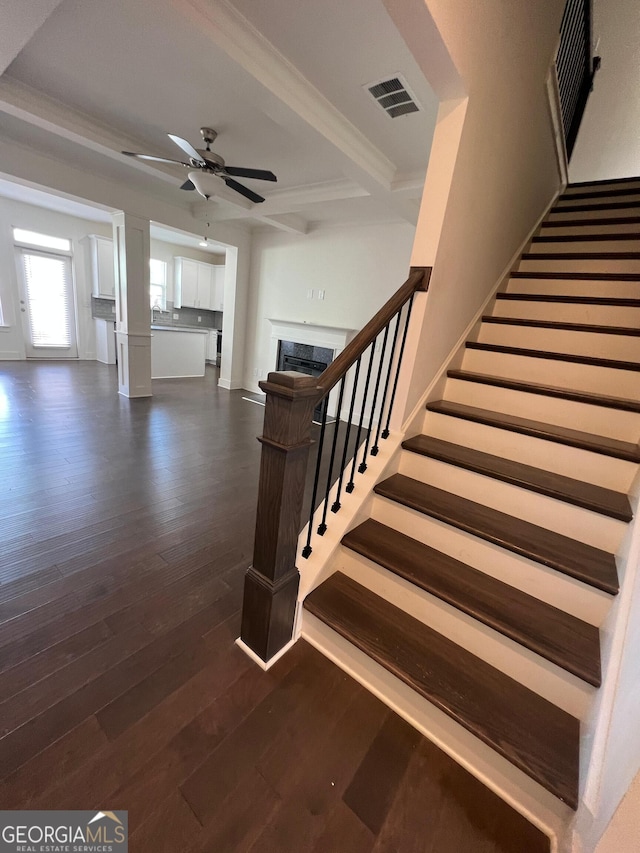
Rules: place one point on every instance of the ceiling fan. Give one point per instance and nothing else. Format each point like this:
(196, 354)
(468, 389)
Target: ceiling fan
(210, 163)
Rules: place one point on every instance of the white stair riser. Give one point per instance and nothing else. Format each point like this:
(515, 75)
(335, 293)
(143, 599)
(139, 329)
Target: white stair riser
(602, 187)
(541, 510)
(594, 420)
(630, 245)
(610, 227)
(581, 265)
(563, 374)
(575, 287)
(557, 215)
(605, 471)
(528, 797)
(565, 593)
(569, 312)
(537, 674)
(622, 347)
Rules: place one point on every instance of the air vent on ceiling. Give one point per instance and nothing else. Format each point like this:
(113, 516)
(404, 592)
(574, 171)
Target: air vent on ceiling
(393, 95)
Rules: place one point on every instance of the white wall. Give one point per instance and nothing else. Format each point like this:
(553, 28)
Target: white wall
(608, 144)
(358, 267)
(17, 214)
(505, 172)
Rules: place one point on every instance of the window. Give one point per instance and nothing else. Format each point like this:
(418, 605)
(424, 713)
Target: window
(158, 284)
(41, 241)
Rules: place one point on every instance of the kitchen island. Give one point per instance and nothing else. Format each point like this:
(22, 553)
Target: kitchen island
(177, 352)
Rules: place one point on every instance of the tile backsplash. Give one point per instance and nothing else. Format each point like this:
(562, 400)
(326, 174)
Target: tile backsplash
(102, 309)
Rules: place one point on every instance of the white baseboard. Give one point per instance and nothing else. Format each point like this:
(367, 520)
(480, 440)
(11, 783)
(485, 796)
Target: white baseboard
(265, 665)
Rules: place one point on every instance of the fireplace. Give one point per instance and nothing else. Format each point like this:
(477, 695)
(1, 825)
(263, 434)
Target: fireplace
(300, 342)
(305, 358)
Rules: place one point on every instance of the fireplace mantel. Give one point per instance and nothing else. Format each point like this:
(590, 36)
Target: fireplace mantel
(332, 337)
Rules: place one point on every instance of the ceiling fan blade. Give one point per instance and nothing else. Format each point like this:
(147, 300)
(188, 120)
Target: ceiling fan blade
(187, 147)
(188, 185)
(259, 174)
(245, 191)
(155, 159)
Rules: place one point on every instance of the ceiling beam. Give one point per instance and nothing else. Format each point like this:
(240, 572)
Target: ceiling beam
(241, 41)
(290, 222)
(31, 106)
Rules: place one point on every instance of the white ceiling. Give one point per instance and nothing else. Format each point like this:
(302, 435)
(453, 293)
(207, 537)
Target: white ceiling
(123, 73)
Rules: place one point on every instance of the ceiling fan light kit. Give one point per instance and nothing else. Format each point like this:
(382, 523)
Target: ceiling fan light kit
(207, 163)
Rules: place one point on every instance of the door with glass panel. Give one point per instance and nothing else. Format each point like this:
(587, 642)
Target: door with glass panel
(46, 304)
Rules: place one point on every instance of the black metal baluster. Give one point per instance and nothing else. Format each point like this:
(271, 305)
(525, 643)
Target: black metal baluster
(336, 504)
(363, 465)
(306, 551)
(376, 447)
(385, 434)
(322, 527)
(351, 485)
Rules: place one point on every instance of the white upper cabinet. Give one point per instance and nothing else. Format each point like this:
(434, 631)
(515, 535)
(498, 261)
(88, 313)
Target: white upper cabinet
(205, 286)
(186, 283)
(196, 285)
(218, 288)
(102, 274)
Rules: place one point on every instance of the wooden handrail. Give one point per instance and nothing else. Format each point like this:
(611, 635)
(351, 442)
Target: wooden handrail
(418, 280)
(271, 582)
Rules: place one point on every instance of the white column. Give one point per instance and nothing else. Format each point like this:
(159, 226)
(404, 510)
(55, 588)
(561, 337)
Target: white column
(131, 249)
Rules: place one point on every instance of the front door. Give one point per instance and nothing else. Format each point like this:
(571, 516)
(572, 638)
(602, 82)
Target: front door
(46, 304)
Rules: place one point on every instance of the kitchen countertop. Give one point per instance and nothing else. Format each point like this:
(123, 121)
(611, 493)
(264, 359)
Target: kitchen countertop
(182, 329)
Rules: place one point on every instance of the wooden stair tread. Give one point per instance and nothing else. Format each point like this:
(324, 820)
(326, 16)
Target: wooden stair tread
(620, 302)
(562, 435)
(593, 361)
(575, 276)
(555, 635)
(583, 562)
(576, 223)
(595, 498)
(619, 192)
(588, 397)
(560, 324)
(580, 256)
(600, 205)
(585, 238)
(530, 732)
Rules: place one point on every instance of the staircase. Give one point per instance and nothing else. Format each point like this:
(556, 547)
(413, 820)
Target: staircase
(478, 584)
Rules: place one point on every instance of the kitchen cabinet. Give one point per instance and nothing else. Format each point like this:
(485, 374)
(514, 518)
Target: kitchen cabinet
(177, 353)
(102, 273)
(196, 285)
(212, 346)
(218, 288)
(105, 341)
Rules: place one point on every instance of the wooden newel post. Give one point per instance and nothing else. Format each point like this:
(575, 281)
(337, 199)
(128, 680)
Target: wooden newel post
(271, 583)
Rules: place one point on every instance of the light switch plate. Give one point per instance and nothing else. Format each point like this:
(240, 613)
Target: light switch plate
(176, 316)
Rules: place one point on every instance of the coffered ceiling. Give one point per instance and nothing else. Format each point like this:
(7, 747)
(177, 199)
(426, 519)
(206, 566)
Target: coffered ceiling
(281, 81)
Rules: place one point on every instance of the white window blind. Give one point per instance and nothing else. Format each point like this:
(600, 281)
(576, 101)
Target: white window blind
(48, 284)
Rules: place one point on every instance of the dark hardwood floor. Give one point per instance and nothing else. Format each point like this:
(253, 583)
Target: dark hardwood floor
(126, 527)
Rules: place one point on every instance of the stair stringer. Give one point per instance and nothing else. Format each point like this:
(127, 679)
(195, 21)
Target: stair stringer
(606, 739)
